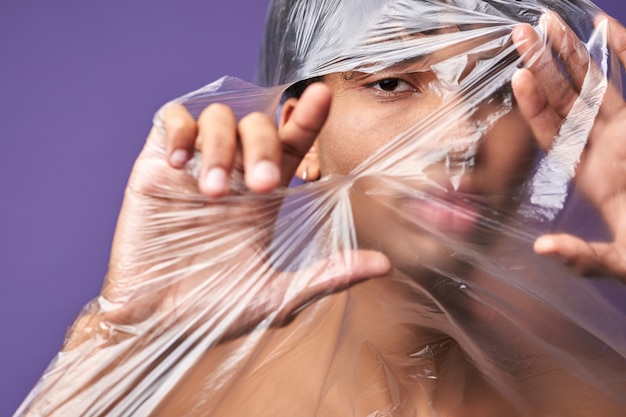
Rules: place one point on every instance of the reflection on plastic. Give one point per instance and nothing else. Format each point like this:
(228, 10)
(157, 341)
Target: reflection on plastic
(210, 306)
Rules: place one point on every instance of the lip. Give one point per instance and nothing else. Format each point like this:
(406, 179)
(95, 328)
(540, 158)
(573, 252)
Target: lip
(451, 214)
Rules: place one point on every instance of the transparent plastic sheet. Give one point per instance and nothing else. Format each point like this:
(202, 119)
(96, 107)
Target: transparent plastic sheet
(212, 307)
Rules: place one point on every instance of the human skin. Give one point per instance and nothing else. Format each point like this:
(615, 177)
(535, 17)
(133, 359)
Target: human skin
(543, 96)
(601, 175)
(270, 157)
(368, 110)
(543, 102)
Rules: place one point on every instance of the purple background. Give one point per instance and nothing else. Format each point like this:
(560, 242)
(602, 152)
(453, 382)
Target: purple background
(79, 83)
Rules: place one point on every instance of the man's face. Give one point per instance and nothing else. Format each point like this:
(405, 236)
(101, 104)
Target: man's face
(368, 111)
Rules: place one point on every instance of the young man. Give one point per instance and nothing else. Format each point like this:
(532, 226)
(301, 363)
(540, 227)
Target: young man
(424, 160)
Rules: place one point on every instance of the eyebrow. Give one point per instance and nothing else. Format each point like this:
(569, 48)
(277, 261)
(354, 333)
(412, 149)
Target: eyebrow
(398, 66)
(419, 59)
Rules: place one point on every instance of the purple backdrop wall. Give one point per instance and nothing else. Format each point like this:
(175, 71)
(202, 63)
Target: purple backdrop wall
(79, 82)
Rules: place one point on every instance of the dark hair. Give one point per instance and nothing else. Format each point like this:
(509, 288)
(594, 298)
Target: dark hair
(284, 49)
(296, 90)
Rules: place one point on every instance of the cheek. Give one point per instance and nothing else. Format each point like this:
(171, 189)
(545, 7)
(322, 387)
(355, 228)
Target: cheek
(356, 130)
(346, 140)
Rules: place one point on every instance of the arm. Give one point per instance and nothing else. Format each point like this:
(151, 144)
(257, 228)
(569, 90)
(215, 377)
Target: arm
(189, 264)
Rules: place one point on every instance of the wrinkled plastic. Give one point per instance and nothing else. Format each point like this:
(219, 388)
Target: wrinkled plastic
(210, 307)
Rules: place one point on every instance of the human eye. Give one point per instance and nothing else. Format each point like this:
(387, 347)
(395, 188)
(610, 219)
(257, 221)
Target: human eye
(393, 85)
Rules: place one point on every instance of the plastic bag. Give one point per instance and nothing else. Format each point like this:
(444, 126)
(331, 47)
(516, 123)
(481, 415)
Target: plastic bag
(214, 307)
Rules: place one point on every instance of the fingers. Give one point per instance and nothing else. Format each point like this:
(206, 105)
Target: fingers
(220, 139)
(533, 104)
(217, 140)
(181, 131)
(261, 152)
(571, 53)
(268, 157)
(586, 258)
(541, 107)
(616, 37)
(544, 92)
(337, 274)
(303, 126)
(558, 90)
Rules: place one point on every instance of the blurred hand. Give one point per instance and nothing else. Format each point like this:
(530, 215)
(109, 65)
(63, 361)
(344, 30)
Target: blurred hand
(545, 96)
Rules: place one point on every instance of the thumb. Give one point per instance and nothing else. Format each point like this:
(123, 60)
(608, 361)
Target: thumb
(333, 275)
(587, 258)
(303, 125)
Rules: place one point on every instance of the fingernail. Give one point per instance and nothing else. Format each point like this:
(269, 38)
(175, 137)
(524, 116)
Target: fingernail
(544, 245)
(215, 181)
(178, 158)
(266, 172)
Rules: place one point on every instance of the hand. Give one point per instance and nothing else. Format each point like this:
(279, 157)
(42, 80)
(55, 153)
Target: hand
(190, 269)
(266, 155)
(545, 97)
(166, 243)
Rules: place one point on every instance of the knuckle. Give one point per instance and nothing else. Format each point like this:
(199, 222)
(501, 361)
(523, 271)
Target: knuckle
(180, 130)
(256, 119)
(171, 109)
(175, 122)
(217, 111)
(217, 143)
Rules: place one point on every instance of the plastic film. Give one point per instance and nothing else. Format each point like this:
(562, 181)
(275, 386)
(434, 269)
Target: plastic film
(270, 304)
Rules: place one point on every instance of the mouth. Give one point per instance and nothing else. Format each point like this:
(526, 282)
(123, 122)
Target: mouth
(452, 213)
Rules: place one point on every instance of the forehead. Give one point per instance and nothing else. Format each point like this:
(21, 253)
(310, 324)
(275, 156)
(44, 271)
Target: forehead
(410, 65)
(447, 52)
